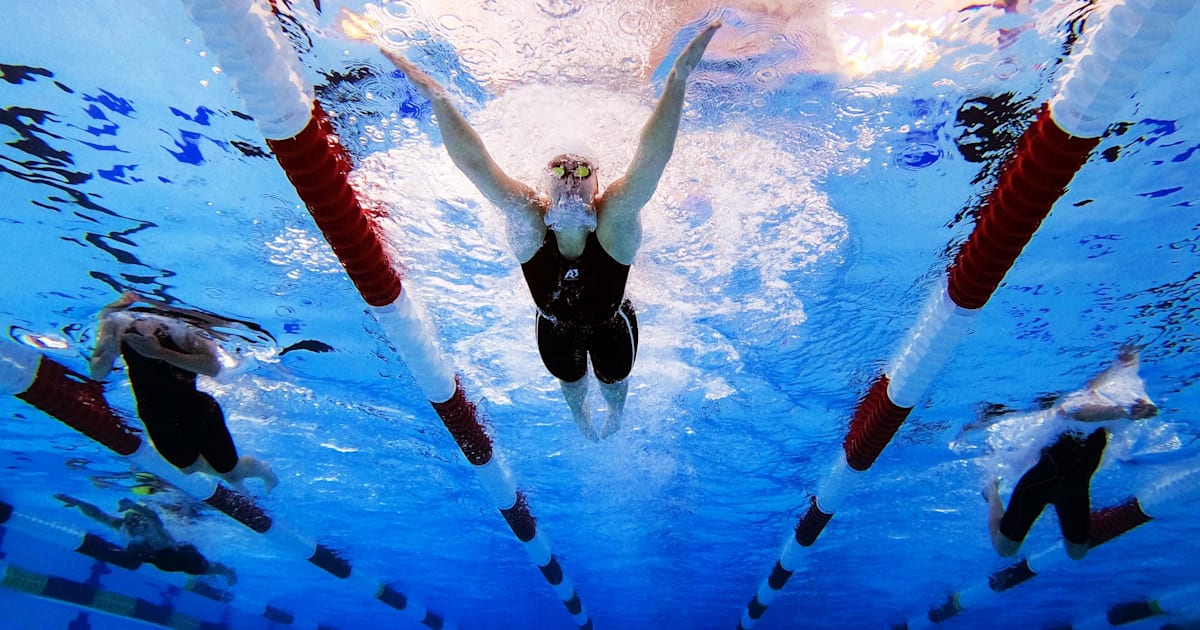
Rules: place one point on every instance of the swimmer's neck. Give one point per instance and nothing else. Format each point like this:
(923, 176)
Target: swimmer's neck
(571, 242)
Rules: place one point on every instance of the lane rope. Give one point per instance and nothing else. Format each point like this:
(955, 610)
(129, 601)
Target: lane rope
(1094, 87)
(256, 57)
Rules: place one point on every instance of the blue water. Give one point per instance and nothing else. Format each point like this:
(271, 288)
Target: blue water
(824, 176)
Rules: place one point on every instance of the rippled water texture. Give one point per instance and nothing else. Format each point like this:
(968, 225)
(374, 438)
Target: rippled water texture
(832, 158)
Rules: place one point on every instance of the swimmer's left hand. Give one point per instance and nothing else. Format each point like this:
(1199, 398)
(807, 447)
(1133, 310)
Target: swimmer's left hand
(695, 50)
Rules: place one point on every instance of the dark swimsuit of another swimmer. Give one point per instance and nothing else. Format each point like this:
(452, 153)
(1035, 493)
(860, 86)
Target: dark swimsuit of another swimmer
(183, 422)
(1062, 477)
(582, 309)
(182, 558)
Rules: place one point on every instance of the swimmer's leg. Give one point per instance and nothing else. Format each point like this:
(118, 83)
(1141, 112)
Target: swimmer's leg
(613, 354)
(614, 394)
(1029, 498)
(575, 393)
(247, 467)
(1003, 545)
(564, 352)
(1074, 506)
(216, 568)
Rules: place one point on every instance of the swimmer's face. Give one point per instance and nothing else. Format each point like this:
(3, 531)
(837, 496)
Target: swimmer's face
(572, 175)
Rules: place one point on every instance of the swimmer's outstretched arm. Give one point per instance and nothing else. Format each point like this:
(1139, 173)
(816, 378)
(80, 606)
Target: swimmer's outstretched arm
(90, 511)
(466, 148)
(625, 196)
(1098, 408)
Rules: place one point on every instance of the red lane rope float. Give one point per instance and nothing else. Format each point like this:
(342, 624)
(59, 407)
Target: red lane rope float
(1113, 521)
(1046, 160)
(460, 417)
(875, 423)
(461, 420)
(79, 403)
(318, 166)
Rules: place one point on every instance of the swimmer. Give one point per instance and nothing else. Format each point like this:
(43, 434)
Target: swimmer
(575, 243)
(163, 356)
(1063, 474)
(149, 540)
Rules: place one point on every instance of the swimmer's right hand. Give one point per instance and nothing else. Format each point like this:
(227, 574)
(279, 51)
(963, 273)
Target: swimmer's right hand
(67, 500)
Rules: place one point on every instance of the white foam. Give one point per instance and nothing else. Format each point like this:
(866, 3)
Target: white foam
(571, 214)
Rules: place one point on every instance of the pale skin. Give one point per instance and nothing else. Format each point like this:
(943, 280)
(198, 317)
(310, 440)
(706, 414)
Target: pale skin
(1096, 407)
(197, 354)
(617, 209)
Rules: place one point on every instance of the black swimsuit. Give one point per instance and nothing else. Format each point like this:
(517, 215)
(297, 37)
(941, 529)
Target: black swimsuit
(582, 310)
(182, 558)
(183, 423)
(1062, 476)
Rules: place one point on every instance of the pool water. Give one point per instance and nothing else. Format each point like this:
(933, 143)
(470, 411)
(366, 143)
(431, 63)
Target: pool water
(830, 163)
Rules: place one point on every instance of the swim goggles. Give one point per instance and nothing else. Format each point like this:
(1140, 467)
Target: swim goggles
(582, 171)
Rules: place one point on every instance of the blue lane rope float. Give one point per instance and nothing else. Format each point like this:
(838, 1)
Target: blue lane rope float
(1094, 86)
(79, 403)
(256, 57)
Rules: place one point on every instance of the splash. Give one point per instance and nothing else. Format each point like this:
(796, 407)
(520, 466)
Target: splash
(571, 214)
(732, 229)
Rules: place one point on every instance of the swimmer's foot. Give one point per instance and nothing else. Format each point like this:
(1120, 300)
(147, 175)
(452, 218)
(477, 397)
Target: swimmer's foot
(270, 479)
(611, 426)
(225, 571)
(251, 467)
(262, 470)
(585, 427)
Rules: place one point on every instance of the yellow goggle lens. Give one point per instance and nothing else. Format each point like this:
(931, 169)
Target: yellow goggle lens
(580, 172)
